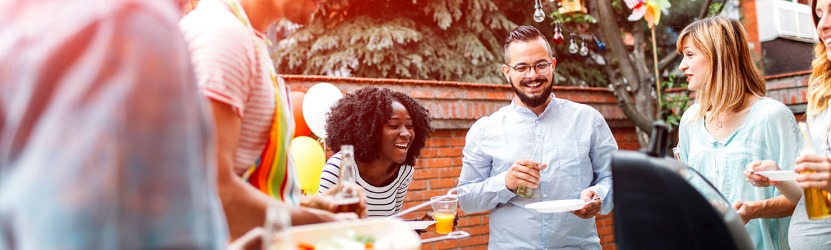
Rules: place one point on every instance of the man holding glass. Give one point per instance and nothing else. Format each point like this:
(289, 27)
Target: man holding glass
(558, 148)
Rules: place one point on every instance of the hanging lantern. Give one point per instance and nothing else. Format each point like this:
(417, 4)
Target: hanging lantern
(569, 6)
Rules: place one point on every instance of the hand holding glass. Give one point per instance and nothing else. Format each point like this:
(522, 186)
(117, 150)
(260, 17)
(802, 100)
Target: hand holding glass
(817, 201)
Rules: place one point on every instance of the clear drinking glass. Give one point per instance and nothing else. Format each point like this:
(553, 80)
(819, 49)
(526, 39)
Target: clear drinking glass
(277, 223)
(528, 192)
(444, 211)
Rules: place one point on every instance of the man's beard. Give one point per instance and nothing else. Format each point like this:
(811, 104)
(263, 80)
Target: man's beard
(533, 102)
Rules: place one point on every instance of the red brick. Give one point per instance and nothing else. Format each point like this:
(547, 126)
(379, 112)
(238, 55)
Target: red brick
(439, 162)
(425, 174)
(440, 183)
(418, 185)
(453, 172)
(458, 142)
(478, 230)
(447, 95)
(439, 142)
(474, 94)
(448, 244)
(470, 221)
(604, 231)
(428, 152)
(475, 241)
(449, 152)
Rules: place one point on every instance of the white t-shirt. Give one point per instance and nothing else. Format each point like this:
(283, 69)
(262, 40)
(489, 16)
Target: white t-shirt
(381, 201)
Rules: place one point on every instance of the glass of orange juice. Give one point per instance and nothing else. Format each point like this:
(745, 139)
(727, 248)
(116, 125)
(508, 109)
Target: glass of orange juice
(444, 211)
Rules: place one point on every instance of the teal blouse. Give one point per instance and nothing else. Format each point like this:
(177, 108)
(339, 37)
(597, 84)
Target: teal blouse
(768, 133)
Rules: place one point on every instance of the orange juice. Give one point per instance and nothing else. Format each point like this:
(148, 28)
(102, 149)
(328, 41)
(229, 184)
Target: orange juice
(444, 222)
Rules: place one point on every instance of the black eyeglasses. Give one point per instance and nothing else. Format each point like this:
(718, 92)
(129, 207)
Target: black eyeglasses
(541, 68)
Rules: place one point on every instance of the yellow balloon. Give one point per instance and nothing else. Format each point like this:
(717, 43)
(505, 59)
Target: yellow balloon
(309, 159)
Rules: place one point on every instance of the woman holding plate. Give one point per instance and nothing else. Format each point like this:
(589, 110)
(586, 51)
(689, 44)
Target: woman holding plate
(806, 233)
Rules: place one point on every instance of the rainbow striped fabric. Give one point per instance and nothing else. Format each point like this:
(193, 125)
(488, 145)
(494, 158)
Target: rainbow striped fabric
(274, 172)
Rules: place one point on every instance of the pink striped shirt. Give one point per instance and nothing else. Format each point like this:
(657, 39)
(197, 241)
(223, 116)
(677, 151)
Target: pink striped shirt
(228, 67)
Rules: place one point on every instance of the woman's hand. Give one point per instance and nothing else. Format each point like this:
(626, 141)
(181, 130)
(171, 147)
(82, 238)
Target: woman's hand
(758, 180)
(326, 201)
(814, 172)
(744, 210)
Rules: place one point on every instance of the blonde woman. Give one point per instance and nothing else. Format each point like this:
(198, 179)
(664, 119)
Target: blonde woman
(805, 233)
(733, 124)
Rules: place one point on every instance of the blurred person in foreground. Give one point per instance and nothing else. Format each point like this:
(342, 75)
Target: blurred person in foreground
(803, 232)
(558, 147)
(733, 124)
(104, 141)
(251, 112)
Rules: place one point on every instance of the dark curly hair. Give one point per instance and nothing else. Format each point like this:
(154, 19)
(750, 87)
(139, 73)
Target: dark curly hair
(358, 119)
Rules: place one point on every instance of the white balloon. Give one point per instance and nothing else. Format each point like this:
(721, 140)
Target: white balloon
(316, 105)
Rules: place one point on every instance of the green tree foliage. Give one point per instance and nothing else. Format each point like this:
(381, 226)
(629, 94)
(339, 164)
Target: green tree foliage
(448, 40)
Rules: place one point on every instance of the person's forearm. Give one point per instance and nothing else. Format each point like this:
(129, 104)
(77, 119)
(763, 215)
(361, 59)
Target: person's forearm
(484, 195)
(244, 206)
(791, 190)
(776, 207)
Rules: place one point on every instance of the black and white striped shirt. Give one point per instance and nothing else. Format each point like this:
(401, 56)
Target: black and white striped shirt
(381, 201)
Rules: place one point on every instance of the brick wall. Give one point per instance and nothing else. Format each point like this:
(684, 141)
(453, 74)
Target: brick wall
(751, 24)
(790, 89)
(454, 106)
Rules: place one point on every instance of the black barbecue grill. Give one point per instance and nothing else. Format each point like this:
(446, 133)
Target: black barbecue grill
(660, 203)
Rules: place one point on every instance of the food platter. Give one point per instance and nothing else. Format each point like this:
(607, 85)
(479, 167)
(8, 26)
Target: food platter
(392, 234)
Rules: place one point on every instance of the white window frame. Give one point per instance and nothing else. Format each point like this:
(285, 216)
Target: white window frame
(799, 14)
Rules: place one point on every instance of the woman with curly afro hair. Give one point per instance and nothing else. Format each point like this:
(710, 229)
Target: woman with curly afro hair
(388, 130)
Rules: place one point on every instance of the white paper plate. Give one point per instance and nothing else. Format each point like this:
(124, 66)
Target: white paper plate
(778, 175)
(557, 206)
(420, 224)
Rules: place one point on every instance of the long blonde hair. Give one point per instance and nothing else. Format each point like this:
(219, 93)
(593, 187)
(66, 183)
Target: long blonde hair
(819, 85)
(732, 75)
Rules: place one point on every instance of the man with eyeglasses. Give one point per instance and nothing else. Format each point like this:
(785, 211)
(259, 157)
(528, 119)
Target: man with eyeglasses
(558, 148)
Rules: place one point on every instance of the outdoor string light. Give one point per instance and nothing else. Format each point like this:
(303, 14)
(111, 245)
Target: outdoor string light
(539, 15)
(572, 47)
(584, 51)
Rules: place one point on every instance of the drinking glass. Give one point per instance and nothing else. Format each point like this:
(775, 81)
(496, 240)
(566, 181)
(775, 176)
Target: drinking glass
(277, 223)
(444, 211)
(528, 192)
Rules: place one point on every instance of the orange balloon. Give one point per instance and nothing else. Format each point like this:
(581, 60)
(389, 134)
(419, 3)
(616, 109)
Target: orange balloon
(300, 127)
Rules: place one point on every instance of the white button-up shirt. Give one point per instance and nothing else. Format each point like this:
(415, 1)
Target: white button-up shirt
(576, 143)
